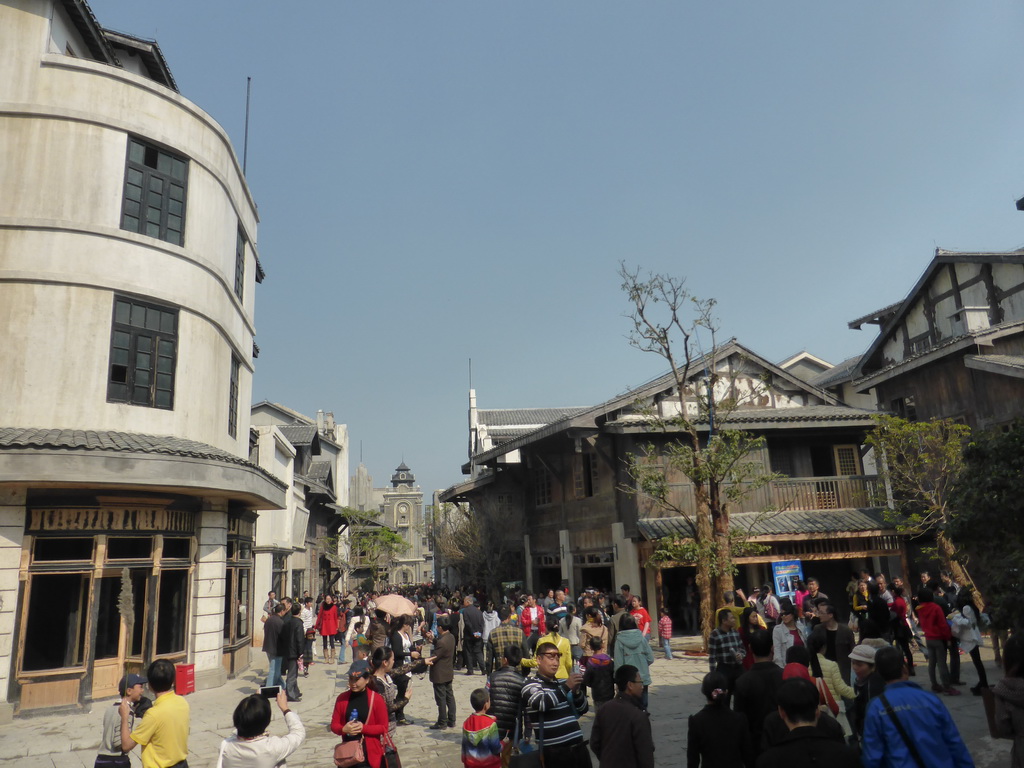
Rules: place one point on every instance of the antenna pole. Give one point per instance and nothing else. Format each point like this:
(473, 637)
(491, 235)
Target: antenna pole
(245, 140)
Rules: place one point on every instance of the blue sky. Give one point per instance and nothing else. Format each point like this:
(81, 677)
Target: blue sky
(440, 181)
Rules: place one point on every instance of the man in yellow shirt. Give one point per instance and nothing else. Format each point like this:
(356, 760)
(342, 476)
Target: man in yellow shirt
(564, 649)
(163, 731)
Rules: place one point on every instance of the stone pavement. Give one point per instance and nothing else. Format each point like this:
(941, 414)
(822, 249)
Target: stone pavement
(69, 741)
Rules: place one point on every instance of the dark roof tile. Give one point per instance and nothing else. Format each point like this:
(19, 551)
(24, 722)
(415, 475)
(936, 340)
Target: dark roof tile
(789, 522)
(524, 417)
(16, 438)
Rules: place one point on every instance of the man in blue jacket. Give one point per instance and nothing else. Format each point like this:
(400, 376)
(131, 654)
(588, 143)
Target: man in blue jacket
(907, 726)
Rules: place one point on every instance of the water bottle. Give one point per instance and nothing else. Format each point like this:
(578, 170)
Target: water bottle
(354, 715)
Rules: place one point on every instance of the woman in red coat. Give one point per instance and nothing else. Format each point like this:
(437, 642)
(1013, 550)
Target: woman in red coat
(936, 636)
(361, 713)
(327, 625)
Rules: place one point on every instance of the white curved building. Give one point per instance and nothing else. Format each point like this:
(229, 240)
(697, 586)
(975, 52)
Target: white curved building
(127, 280)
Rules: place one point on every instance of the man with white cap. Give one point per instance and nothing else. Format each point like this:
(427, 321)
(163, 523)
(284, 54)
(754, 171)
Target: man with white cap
(867, 683)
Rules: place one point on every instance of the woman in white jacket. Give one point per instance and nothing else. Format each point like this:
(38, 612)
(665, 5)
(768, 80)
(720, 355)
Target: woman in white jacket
(786, 633)
(967, 631)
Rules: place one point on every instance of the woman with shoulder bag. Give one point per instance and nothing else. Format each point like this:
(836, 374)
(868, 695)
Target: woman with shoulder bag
(827, 677)
(970, 635)
(361, 719)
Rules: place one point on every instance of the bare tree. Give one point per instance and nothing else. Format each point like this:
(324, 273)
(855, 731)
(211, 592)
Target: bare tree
(669, 321)
(475, 539)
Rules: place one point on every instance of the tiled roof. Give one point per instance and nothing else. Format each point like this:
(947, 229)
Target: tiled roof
(299, 434)
(1008, 365)
(16, 438)
(951, 345)
(831, 413)
(316, 485)
(818, 414)
(587, 417)
(1008, 361)
(878, 316)
(320, 470)
(789, 523)
(524, 417)
(837, 374)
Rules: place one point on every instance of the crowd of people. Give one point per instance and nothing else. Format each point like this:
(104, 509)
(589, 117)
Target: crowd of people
(789, 682)
(805, 679)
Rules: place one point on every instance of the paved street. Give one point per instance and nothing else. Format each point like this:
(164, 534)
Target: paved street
(70, 741)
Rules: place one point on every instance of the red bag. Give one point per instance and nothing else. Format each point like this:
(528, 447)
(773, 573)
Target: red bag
(825, 697)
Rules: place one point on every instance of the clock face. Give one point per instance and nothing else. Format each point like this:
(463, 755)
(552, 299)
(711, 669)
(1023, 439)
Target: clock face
(403, 509)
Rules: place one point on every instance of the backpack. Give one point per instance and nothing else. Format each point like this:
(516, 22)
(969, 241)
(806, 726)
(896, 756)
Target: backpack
(771, 608)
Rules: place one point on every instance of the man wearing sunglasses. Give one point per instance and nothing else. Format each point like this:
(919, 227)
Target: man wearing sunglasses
(553, 707)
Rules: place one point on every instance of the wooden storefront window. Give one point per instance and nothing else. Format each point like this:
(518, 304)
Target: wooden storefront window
(56, 621)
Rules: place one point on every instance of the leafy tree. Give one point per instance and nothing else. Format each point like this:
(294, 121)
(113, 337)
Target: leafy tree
(681, 328)
(920, 463)
(372, 546)
(989, 499)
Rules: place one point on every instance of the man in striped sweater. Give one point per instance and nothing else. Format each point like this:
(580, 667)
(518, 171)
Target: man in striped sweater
(554, 707)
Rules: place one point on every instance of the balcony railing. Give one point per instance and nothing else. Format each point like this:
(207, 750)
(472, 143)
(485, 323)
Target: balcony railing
(791, 493)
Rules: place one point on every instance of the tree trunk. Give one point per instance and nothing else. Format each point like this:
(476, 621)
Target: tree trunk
(722, 543)
(706, 581)
(947, 553)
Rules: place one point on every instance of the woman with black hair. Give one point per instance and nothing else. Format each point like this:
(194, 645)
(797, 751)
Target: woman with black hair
(717, 736)
(360, 714)
(402, 647)
(969, 635)
(750, 622)
(250, 746)
(382, 662)
(327, 625)
(831, 686)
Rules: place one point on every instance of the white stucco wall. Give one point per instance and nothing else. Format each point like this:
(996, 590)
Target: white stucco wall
(64, 128)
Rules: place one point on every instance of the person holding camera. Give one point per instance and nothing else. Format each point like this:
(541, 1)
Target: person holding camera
(251, 746)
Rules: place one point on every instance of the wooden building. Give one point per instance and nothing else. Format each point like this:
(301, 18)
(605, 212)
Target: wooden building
(954, 347)
(564, 490)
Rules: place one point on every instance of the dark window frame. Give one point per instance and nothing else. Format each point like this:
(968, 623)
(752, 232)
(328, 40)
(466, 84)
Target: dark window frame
(236, 371)
(240, 243)
(155, 193)
(143, 329)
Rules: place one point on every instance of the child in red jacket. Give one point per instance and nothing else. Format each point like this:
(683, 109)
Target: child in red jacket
(481, 747)
(937, 636)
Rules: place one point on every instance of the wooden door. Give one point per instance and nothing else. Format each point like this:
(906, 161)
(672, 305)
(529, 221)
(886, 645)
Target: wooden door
(114, 645)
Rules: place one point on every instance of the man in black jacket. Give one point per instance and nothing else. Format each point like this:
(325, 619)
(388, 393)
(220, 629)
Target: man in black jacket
(272, 643)
(442, 672)
(292, 643)
(506, 686)
(754, 695)
(472, 636)
(621, 735)
(805, 746)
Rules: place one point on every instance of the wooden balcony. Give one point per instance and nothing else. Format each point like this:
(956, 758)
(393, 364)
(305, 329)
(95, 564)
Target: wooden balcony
(791, 493)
